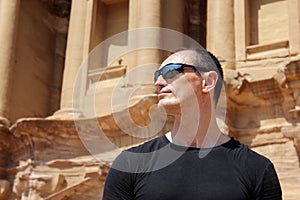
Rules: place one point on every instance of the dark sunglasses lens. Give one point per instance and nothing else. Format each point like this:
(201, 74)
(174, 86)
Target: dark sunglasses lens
(171, 70)
(171, 73)
(168, 71)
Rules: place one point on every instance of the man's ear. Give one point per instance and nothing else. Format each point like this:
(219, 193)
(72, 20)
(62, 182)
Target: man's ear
(209, 81)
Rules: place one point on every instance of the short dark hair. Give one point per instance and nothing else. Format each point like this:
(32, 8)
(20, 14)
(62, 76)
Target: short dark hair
(219, 83)
(208, 60)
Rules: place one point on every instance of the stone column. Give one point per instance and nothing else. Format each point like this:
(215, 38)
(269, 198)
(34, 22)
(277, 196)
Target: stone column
(9, 14)
(220, 30)
(149, 13)
(74, 55)
(145, 14)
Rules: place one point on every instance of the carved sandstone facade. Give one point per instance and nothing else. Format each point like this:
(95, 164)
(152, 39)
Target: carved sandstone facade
(46, 154)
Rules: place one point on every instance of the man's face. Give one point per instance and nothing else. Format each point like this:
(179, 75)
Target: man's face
(181, 90)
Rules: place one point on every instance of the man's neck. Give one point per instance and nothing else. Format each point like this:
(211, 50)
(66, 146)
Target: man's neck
(201, 135)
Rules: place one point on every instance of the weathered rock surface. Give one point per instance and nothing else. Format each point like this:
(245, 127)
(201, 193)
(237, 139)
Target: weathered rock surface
(264, 114)
(67, 158)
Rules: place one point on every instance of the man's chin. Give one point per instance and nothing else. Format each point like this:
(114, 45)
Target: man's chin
(168, 108)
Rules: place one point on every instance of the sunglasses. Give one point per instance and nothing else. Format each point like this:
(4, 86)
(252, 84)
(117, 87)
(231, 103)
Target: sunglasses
(172, 69)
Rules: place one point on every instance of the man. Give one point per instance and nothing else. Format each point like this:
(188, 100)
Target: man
(195, 160)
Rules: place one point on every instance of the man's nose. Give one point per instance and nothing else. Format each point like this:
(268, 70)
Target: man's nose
(160, 82)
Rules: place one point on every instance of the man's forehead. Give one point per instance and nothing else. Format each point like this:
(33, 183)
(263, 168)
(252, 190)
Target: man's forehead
(179, 57)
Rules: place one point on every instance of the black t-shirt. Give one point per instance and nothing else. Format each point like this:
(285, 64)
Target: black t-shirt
(159, 169)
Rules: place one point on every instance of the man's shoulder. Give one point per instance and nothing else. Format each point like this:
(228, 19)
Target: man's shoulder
(139, 159)
(243, 153)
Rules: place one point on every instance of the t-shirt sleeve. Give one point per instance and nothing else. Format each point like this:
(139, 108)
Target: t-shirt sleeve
(271, 189)
(118, 186)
